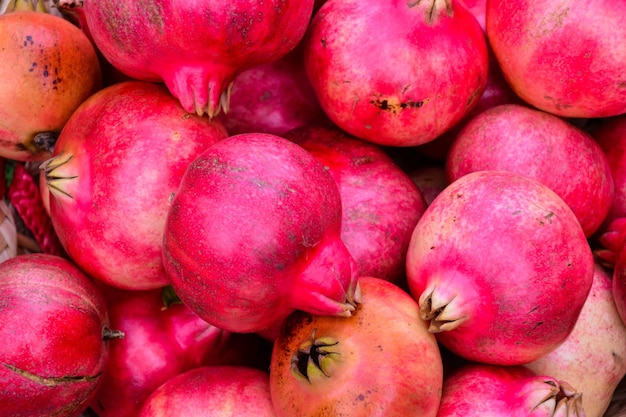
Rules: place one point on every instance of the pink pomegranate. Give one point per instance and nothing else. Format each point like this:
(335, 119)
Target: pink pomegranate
(558, 57)
(55, 333)
(611, 136)
(380, 203)
(195, 48)
(481, 390)
(591, 357)
(530, 142)
(273, 98)
(380, 362)
(212, 391)
(500, 267)
(390, 88)
(163, 338)
(253, 233)
(116, 164)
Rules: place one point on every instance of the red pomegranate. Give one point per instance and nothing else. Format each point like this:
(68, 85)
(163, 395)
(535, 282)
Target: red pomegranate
(390, 88)
(560, 58)
(500, 267)
(116, 164)
(55, 330)
(195, 48)
(253, 232)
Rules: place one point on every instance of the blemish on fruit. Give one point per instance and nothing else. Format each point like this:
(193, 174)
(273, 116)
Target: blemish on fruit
(395, 106)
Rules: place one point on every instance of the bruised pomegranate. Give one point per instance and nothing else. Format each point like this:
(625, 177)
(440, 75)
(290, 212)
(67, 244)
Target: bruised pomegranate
(500, 267)
(212, 391)
(530, 142)
(48, 68)
(481, 390)
(195, 48)
(116, 164)
(381, 361)
(592, 356)
(253, 233)
(561, 58)
(390, 88)
(54, 330)
(380, 203)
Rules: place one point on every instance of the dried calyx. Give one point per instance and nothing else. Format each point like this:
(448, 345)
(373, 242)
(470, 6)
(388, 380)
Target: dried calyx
(313, 357)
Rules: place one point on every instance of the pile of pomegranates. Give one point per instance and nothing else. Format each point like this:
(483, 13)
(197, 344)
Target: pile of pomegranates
(293, 208)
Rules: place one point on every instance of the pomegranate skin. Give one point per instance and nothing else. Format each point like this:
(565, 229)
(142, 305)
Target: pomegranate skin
(163, 338)
(212, 391)
(530, 142)
(591, 358)
(561, 58)
(380, 203)
(273, 98)
(390, 89)
(500, 267)
(253, 233)
(53, 320)
(481, 390)
(49, 67)
(195, 48)
(116, 164)
(611, 136)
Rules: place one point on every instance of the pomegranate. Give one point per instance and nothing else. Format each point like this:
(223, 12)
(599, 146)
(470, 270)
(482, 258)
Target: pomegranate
(48, 69)
(591, 357)
(116, 164)
(381, 361)
(611, 136)
(558, 57)
(481, 390)
(195, 48)
(380, 203)
(530, 142)
(212, 391)
(390, 88)
(163, 338)
(500, 267)
(273, 98)
(54, 330)
(253, 232)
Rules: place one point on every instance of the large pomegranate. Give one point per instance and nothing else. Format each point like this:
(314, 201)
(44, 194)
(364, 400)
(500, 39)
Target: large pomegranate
(530, 142)
(253, 232)
(196, 48)
(564, 57)
(381, 361)
(500, 267)
(116, 164)
(54, 330)
(48, 68)
(396, 72)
